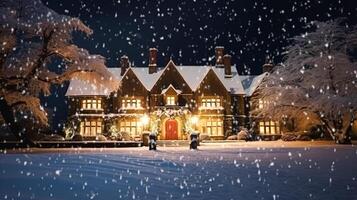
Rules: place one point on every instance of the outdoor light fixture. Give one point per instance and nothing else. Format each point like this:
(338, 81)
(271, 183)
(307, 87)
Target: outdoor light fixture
(144, 120)
(194, 120)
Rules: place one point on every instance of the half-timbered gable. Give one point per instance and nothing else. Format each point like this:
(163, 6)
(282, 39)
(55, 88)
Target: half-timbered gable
(170, 78)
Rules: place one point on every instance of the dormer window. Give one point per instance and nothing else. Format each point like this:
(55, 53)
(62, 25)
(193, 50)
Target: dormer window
(92, 104)
(170, 100)
(170, 95)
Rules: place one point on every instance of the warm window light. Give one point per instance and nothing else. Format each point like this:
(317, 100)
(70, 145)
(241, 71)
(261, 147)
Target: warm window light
(144, 120)
(194, 119)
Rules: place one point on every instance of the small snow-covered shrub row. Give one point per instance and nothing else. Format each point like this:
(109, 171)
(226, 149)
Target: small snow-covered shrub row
(296, 136)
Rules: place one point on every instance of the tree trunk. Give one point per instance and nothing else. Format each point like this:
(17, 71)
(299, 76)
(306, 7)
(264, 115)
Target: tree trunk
(9, 118)
(343, 135)
(328, 127)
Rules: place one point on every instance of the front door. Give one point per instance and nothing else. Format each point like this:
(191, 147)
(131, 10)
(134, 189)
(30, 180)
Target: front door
(171, 130)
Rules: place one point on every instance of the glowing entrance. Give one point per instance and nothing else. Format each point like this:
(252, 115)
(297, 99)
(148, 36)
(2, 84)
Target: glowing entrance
(171, 130)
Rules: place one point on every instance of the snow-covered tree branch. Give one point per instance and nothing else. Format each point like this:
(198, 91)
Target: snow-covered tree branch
(32, 36)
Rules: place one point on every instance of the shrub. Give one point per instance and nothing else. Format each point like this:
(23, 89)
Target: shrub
(77, 138)
(125, 136)
(288, 137)
(100, 138)
(232, 137)
(205, 137)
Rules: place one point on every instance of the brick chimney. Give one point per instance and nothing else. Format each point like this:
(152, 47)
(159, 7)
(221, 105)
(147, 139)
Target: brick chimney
(268, 66)
(219, 56)
(227, 66)
(152, 60)
(124, 64)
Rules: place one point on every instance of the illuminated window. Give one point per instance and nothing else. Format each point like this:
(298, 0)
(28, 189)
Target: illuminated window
(213, 127)
(262, 104)
(91, 127)
(170, 100)
(269, 128)
(133, 127)
(92, 104)
(211, 102)
(131, 103)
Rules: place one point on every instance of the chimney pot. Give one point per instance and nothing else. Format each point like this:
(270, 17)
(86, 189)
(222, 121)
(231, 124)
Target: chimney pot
(227, 66)
(219, 51)
(124, 64)
(268, 66)
(152, 60)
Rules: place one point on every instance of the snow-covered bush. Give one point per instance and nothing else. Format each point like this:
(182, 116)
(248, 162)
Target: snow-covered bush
(204, 137)
(100, 138)
(126, 136)
(232, 137)
(77, 138)
(243, 135)
(288, 137)
(52, 137)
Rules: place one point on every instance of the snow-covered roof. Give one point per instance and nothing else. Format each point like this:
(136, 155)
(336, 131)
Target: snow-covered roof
(193, 75)
(78, 87)
(251, 82)
(148, 80)
(116, 72)
(171, 86)
(233, 84)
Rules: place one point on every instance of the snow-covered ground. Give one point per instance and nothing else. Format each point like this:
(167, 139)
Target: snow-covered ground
(298, 171)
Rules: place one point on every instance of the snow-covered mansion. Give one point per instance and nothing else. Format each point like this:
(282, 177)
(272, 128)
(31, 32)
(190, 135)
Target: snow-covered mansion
(171, 100)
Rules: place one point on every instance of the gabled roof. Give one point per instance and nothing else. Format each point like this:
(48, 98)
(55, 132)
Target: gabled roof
(167, 68)
(116, 72)
(233, 84)
(173, 88)
(251, 83)
(192, 75)
(148, 80)
(78, 87)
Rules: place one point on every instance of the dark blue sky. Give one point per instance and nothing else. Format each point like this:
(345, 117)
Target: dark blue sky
(188, 31)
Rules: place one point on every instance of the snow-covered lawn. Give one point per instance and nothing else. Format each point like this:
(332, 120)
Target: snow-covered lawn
(253, 171)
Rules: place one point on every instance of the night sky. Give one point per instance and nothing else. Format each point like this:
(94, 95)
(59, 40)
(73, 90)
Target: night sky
(188, 31)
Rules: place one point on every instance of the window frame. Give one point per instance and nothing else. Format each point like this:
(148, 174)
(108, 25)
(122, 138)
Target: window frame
(131, 126)
(269, 128)
(91, 127)
(211, 102)
(131, 103)
(213, 126)
(170, 100)
(91, 104)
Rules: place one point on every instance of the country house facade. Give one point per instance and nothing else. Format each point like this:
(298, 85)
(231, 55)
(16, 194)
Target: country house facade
(171, 100)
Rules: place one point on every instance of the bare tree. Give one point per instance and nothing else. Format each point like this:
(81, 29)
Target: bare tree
(32, 37)
(317, 78)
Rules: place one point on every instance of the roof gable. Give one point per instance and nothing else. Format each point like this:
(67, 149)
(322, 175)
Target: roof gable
(131, 82)
(193, 74)
(170, 90)
(211, 84)
(148, 80)
(171, 75)
(251, 83)
(232, 84)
